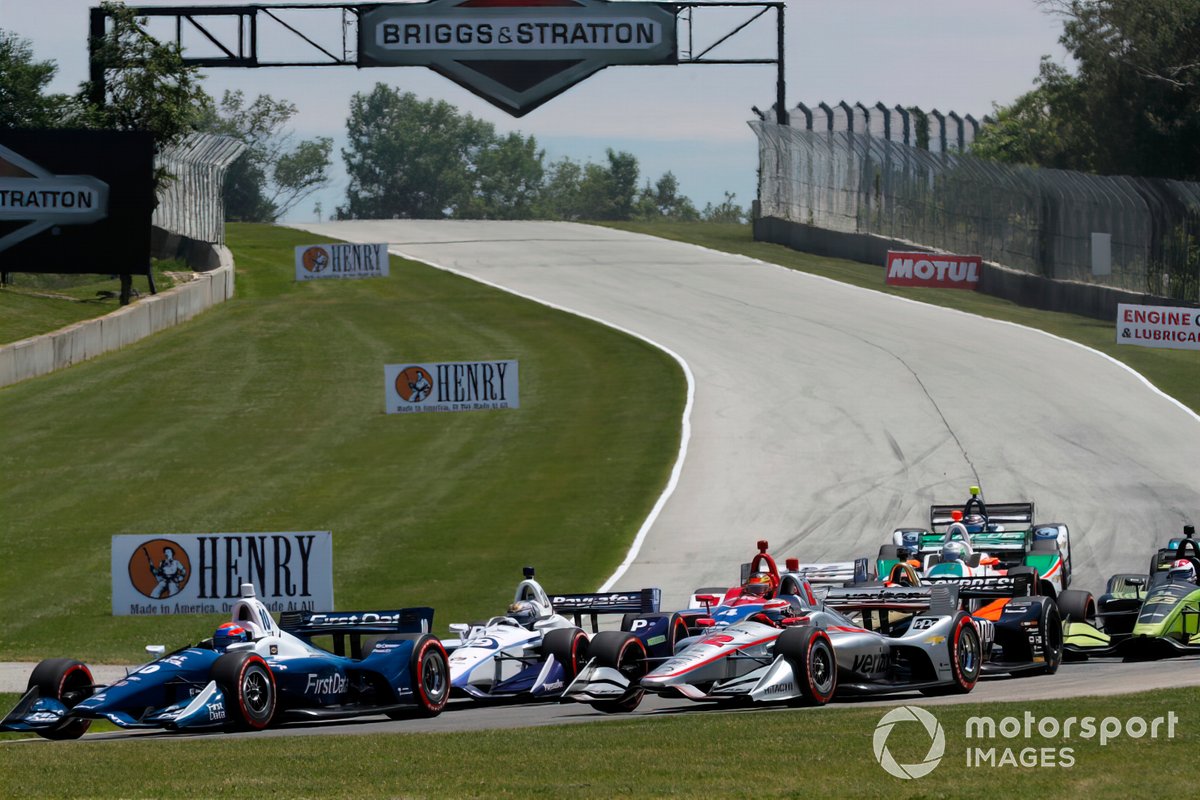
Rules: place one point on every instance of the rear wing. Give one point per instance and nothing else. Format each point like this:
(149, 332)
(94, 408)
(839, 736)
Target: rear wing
(898, 598)
(836, 572)
(988, 587)
(644, 601)
(997, 513)
(312, 623)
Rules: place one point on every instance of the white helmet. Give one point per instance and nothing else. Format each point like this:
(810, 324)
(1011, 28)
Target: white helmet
(1183, 570)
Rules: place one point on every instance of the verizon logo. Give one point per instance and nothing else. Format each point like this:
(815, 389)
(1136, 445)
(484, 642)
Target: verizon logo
(929, 269)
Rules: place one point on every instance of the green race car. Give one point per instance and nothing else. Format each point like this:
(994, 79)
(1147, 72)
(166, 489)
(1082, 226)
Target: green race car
(999, 538)
(1155, 615)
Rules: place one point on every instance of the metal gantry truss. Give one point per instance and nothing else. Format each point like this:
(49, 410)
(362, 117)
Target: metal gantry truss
(232, 33)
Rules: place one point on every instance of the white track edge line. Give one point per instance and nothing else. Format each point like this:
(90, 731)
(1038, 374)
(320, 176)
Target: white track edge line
(1145, 381)
(685, 434)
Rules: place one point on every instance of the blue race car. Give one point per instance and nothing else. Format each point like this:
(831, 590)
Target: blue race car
(253, 673)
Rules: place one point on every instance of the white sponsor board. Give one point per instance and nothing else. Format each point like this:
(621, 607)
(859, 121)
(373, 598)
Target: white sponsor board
(1158, 326)
(451, 386)
(315, 261)
(202, 573)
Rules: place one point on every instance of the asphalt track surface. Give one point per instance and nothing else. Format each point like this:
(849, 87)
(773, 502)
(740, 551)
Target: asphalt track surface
(825, 415)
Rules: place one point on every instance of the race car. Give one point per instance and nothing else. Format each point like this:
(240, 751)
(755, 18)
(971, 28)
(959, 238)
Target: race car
(998, 539)
(1154, 615)
(253, 673)
(757, 644)
(534, 651)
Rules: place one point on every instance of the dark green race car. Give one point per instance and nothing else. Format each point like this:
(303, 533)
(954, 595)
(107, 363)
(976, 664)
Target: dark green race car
(1156, 615)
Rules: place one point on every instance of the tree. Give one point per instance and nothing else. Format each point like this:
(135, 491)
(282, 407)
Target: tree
(23, 81)
(1133, 105)
(147, 87)
(421, 159)
(664, 201)
(275, 172)
(607, 192)
(726, 211)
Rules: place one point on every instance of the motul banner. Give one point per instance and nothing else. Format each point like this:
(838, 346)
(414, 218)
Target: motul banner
(1158, 326)
(932, 269)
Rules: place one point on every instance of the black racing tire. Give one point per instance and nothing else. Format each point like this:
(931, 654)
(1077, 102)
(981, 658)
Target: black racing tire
(1077, 605)
(677, 629)
(1052, 636)
(966, 658)
(569, 646)
(430, 667)
(249, 689)
(70, 682)
(813, 662)
(626, 653)
(889, 552)
(1044, 546)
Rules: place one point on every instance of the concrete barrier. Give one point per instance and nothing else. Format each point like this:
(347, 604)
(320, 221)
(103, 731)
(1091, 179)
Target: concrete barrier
(1025, 289)
(40, 355)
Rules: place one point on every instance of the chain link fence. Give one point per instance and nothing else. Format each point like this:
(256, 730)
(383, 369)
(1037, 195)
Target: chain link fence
(857, 180)
(193, 204)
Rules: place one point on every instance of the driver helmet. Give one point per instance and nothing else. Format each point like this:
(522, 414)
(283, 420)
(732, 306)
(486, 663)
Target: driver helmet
(229, 633)
(974, 522)
(524, 612)
(758, 585)
(1183, 569)
(953, 551)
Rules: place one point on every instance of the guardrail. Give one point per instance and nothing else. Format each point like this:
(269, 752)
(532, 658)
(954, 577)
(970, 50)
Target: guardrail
(48, 352)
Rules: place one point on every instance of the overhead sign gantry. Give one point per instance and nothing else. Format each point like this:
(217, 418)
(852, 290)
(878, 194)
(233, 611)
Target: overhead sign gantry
(516, 54)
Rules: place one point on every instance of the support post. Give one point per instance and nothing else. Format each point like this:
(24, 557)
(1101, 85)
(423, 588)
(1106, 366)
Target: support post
(95, 66)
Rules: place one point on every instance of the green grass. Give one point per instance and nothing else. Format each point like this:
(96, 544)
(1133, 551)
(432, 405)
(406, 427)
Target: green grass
(790, 753)
(266, 414)
(36, 304)
(1176, 372)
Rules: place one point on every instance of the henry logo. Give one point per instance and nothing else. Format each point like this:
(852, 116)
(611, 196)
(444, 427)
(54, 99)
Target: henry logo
(414, 384)
(315, 259)
(159, 569)
(933, 728)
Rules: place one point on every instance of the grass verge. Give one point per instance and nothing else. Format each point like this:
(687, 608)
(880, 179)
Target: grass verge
(825, 752)
(36, 304)
(1176, 372)
(266, 414)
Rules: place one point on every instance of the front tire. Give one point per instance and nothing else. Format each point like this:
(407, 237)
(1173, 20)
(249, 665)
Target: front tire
(813, 662)
(249, 689)
(68, 681)
(1076, 605)
(966, 659)
(625, 653)
(1052, 637)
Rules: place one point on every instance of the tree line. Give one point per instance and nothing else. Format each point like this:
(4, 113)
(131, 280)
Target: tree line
(406, 157)
(1132, 104)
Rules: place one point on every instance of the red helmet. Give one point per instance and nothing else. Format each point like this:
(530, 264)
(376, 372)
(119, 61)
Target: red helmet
(759, 585)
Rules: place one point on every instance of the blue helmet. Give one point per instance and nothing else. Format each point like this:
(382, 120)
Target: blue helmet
(229, 633)
(975, 523)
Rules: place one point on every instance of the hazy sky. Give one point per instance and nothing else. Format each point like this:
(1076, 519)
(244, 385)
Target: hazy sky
(952, 55)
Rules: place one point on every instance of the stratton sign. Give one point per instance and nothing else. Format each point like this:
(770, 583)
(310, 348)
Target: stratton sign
(516, 54)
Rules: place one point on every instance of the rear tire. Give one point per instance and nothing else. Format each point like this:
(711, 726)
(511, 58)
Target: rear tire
(569, 646)
(624, 652)
(68, 681)
(1076, 605)
(1052, 637)
(249, 689)
(813, 662)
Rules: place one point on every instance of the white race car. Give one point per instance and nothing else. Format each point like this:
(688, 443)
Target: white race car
(533, 650)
